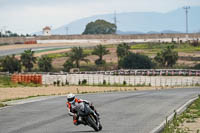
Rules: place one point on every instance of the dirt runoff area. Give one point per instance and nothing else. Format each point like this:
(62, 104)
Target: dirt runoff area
(24, 92)
(192, 127)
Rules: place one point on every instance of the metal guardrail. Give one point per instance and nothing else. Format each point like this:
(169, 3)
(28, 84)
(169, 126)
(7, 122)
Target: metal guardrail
(147, 72)
(143, 72)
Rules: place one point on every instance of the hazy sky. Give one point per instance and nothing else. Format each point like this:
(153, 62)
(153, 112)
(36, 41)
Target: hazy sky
(28, 16)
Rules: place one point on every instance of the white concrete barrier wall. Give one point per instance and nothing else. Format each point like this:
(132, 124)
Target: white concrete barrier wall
(95, 79)
(51, 79)
(113, 40)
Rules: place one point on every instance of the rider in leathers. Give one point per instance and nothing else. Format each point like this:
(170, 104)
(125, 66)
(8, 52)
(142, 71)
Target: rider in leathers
(72, 102)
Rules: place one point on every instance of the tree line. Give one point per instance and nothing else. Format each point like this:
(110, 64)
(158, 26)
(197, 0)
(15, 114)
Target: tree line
(27, 61)
(11, 34)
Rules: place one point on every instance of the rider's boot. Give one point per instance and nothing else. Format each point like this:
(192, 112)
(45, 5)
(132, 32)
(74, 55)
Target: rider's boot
(96, 112)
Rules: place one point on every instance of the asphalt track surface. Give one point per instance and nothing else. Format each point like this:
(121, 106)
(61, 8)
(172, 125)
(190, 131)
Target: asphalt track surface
(21, 50)
(121, 112)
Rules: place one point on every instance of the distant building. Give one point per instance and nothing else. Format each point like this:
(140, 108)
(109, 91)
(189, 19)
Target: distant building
(47, 31)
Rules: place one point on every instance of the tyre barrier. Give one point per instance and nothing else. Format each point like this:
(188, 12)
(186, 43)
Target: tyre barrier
(27, 78)
(30, 42)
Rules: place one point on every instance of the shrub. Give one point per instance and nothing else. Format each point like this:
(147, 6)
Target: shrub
(68, 65)
(136, 61)
(84, 82)
(58, 83)
(197, 66)
(124, 83)
(104, 82)
(10, 64)
(54, 83)
(67, 83)
(167, 57)
(195, 43)
(99, 62)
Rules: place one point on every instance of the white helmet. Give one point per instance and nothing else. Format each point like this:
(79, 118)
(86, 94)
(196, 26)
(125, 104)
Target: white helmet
(71, 98)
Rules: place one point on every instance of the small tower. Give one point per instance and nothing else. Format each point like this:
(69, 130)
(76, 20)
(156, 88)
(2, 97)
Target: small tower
(47, 31)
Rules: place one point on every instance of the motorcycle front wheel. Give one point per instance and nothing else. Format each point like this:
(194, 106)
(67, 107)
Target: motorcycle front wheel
(92, 122)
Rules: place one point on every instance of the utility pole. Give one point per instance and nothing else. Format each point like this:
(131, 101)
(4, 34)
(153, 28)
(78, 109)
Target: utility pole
(67, 30)
(115, 19)
(186, 8)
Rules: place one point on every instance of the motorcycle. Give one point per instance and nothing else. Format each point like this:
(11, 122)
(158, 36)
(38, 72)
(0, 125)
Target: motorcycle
(88, 116)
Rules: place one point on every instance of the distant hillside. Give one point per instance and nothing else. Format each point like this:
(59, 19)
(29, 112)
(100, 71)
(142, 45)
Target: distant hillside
(141, 22)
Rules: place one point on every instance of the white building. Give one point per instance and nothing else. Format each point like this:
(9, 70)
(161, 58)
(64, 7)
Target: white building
(47, 31)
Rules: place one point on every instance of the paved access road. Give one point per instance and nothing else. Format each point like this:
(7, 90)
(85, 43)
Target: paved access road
(21, 50)
(121, 112)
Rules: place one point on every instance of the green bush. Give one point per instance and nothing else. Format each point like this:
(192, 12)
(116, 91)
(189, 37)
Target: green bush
(10, 64)
(2, 105)
(167, 57)
(68, 65)
(197, 66)
(104, 82)
(99, 62)
(136, 61)
(84, 82)
(195, 44)
(124, 83)
(5, 81)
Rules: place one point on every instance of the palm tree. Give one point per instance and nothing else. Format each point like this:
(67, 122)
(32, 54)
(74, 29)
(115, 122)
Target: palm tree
(10, 64)
(28, 59)
(167, 57)
(123, 50)
(100, 51)
(44, 63)
(76, 55)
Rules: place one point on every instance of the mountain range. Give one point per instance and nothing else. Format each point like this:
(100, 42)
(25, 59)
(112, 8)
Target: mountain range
(141, 22)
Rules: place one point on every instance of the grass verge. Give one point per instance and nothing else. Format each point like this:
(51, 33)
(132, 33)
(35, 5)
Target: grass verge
(156, 47)
(185, 122)
(2, 105)
(46, 50)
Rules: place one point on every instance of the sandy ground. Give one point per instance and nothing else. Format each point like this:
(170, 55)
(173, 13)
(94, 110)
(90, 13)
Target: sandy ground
(192, 127)
(22, 92)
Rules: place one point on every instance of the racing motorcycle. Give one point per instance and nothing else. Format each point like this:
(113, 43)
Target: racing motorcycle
(88, 116)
